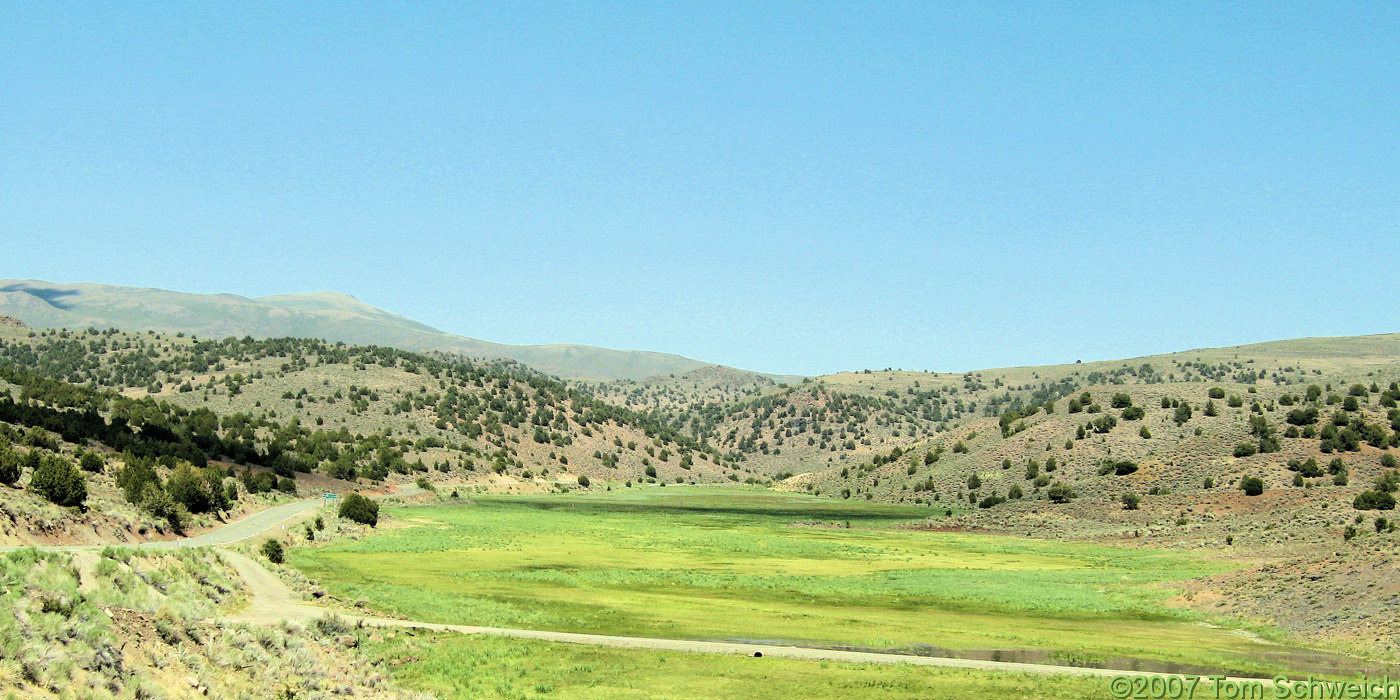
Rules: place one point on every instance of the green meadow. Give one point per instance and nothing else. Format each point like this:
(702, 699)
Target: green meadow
(748, 564)
(461, 666)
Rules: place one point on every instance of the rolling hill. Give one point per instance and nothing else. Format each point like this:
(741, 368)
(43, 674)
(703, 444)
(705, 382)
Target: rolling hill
(1149, 451)
(324, 315)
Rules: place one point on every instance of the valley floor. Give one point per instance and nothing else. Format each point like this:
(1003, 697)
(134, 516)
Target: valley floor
(609, 594)
(750, 565)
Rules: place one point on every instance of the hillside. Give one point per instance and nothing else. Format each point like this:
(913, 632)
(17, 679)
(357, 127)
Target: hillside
(1153, 450)
(847, 419)
(310, 417)
(323, 315)
(1165, 451)
(1266, 380)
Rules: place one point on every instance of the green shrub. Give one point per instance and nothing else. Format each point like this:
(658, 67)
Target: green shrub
(990, 501)
(1121, 467)
(1252, 485)
(9, 466)
(90, 462)
(1311, 470)
(1130, 501)
(584, 482)
(1246, 449)
(1388, 482)
(132, 478)
(272, 549)
(359, 509)
(59, 481)
(186, 487)
(1061, 493)
(1374, 500)
(155, 501)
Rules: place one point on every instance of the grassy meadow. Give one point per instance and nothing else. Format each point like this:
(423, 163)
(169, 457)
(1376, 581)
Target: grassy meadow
(745, 564)
(460, 666)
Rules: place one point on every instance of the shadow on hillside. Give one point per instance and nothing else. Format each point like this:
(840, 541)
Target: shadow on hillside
(52, 296)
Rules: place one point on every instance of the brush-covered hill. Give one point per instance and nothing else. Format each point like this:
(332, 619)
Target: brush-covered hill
(1282, 456)
(783, 429)
(323, 315)
(722, 385)
(1180, 417)
(314, 414)
(842, 420)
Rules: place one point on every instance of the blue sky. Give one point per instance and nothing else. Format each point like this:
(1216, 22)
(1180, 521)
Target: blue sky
(803, 187)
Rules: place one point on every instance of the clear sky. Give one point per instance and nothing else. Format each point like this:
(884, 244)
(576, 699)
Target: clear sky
(802, 187)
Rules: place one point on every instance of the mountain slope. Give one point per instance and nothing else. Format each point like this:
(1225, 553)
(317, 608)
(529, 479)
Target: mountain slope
(305, 407)
(844, 420)
(324, 315)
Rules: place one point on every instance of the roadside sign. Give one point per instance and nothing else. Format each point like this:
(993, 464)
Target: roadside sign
(329, 495)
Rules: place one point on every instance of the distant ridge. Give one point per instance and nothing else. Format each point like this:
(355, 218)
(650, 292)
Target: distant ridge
(328, 315)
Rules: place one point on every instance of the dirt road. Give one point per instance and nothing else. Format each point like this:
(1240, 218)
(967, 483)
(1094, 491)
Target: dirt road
(262, 522)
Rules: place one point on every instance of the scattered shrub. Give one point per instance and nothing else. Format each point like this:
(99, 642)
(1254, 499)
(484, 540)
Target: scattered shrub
(272, 549)
(1118, 467)
(1374, 500)
(59, 481)
(1252, 485)
(9, 467)
(1061, 493)
(90, 462)
(359, 509)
